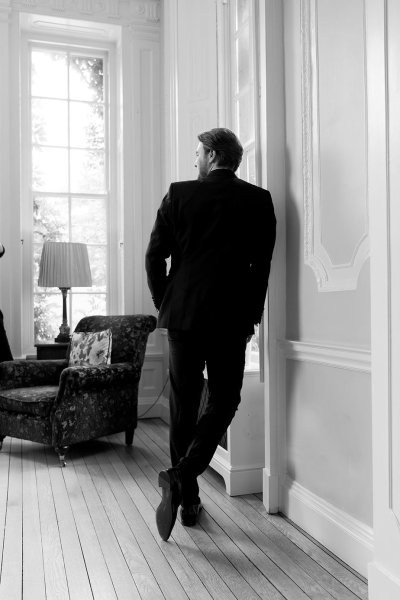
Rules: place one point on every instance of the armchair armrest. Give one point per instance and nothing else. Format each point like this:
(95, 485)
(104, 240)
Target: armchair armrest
(27, 373)
(80, 378)
(94, 401)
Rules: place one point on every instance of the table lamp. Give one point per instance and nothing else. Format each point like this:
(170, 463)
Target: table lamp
(64, 265)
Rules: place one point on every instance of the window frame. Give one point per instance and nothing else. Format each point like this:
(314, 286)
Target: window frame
(230, 93)
(113, 154)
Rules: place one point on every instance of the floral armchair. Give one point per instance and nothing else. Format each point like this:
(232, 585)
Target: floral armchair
(50, 402)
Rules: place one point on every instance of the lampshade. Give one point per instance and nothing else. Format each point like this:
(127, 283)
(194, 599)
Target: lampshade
(64, 265)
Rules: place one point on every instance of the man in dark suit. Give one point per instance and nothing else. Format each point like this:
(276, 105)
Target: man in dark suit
(220, 233)
(5, 352)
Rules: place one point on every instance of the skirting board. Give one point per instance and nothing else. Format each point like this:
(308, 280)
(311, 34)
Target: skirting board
(148, 408)
(239, 480)
(382, 584)
(345, 536)
(270, 491)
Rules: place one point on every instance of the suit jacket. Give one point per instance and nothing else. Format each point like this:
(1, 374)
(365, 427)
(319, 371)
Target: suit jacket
(220, 235)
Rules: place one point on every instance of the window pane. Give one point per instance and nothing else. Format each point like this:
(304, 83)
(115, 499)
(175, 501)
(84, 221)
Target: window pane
(87, 125)
(84, 305)
(89, 220)
(47, 316)
(98, 267)
(243, 58)
(37, 253)
(49, 169)
(49, 74)
(50, 122)
(86, 78)
(245, 116)
(87, 171)
(251, 166)
(69, 157)
(244, 86)
(243, 11)
(50, 219)
(253, 351)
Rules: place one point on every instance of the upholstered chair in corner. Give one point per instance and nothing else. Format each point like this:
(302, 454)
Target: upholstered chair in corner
(55, 403)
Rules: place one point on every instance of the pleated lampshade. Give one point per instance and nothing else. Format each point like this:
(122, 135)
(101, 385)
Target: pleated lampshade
(64, 265)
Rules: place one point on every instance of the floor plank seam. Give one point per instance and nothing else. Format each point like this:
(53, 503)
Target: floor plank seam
(244, 533)
(6, 511)
(163, 546)
(57, 520)
(88, 532)
(71, 461)
(174, 534)
(162, 447)
(127, 523)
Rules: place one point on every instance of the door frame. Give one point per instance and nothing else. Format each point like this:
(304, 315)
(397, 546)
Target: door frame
(273, 177)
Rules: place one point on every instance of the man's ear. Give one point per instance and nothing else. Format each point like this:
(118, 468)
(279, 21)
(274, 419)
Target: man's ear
(212, 157)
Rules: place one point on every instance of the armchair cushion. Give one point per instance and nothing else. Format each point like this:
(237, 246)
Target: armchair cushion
(26, 373)
(37, 400)
(90, 348)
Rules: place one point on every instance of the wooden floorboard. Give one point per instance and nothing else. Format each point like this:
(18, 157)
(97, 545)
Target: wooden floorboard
(88, 532)
(33, 578)
(11, 568)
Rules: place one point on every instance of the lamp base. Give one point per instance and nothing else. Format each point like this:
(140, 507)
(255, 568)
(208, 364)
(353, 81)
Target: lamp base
(62, 339)
(64, 335)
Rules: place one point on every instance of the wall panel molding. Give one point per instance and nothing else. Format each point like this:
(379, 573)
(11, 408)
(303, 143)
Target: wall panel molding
(342, 357)
(331, 274)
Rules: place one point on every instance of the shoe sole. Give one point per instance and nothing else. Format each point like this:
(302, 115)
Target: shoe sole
(168, 509)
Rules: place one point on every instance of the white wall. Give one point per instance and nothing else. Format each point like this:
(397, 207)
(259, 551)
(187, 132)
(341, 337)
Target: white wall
(325, 421)
(190, 82)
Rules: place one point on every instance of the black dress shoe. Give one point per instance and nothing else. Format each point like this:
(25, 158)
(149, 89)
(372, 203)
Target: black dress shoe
(170, 482)
(190, 513)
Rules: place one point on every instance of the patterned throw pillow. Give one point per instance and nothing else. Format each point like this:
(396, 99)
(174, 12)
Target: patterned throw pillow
(91, 348)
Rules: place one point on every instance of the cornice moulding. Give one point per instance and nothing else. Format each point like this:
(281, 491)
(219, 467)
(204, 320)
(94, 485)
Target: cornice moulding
(5, 10)
(122, 12)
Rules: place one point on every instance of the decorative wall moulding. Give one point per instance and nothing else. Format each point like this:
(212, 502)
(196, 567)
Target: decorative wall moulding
(342, 273)
(341, 357)
(124, 12)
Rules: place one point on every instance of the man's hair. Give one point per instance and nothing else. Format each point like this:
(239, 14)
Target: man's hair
(226, 146)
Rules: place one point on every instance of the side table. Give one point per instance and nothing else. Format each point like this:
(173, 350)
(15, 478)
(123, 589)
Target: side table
(51, 350)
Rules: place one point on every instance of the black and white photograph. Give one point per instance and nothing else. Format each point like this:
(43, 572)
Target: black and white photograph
(199, 300)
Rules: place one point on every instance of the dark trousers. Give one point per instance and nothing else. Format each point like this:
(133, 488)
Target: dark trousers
(194, 440)
(5, 352)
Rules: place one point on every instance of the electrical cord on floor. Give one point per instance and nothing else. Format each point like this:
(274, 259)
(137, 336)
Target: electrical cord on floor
(155, 401)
